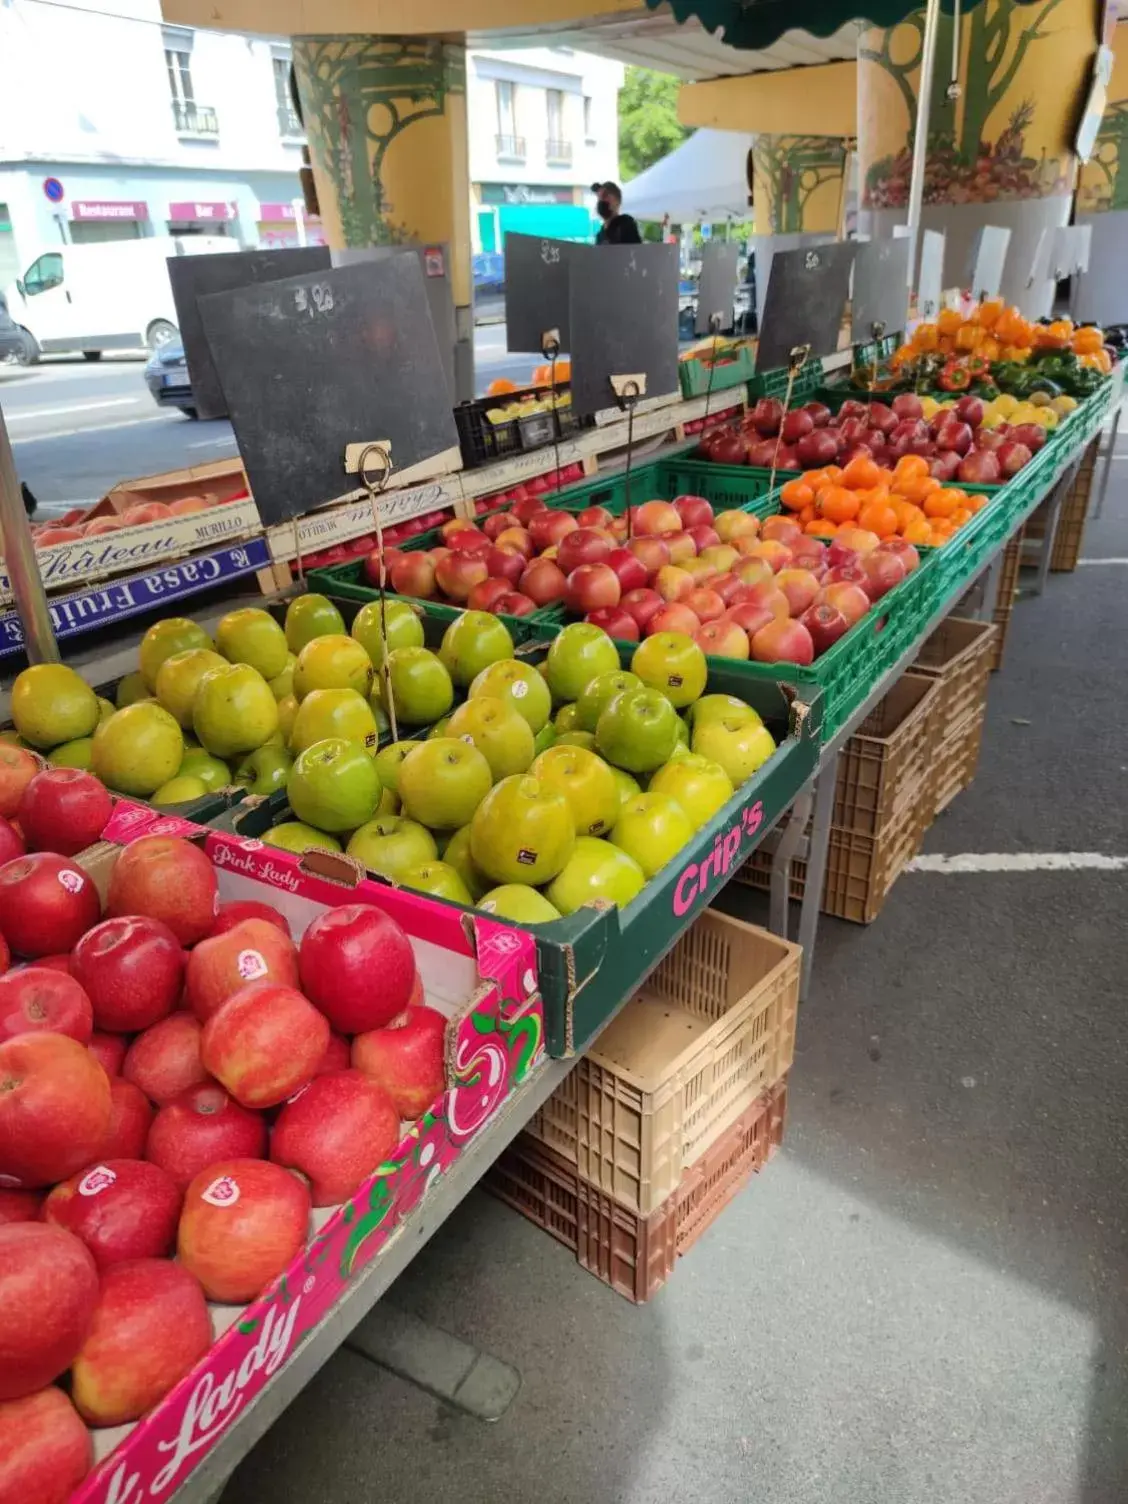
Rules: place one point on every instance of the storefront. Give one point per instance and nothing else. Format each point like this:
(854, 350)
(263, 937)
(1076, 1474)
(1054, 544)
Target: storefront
(279, 225)
(528, 209)
(108, 219)
(191, 217)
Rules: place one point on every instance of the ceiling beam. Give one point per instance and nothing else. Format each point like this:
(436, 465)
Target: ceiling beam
(816, 101)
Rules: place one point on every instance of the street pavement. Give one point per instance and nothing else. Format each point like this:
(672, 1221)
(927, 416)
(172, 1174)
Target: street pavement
(78, 428)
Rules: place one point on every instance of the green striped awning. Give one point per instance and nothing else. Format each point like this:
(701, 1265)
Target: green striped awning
(754, 25)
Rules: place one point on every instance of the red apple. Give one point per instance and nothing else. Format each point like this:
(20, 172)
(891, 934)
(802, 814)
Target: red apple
(969, 410)
(783, 642)
(264, 1043)
(166, 878)
(108, 1050)
(673, 618)
(526, 507)
(775, 553)
(615, 622)
(131, 1117)
(64, 810)
(46, 904)
(762, 454)
(753, 570)
(882, 571)
(907, 405)
(728, 587)
(694, 511)
(749, 617)
(781, 529)
(548, 529)
(631, 571)
(809, 553)
(513, 603)
(18, 767)
(851, 600)
(651, 552)
(230, 914)
(253, 951)
(336, 1056)
(583, 546)
(54, 1108)
(945, 465)
(656, 518)
(881, 417)
(767, 415)
(40, 999)
(200, 1128)
(19, 1206)
(457, 575)
(820, 413)
(704, 536)
(357, 966)
(244, 1221)
(730, 449)
(406, 1059)
(705, 604)
(642, 605)
(12, 843)
(903, 550)
(120, 1208)
(48, 1291)
(496, 524)
(469, 541)
(544, 582)
(414, 574)
(518, 539)
(817, 448)
(765, 593)
(505, 564)
(484, 595)
(372, 561)
(148, 1306)
(858, 539)
(733, 525)
(45, 1449)
(800, 587)
(796, 425)
(336, 1132)
(165, 1061)
(826, 624)
(671, 583)
(1033, 435)
(681, 547)
(456, 525)
(592, 587)
(978, 468)
(1012, 456)
(133, 971)
(595, 517)
(954, 436)
(722, 639)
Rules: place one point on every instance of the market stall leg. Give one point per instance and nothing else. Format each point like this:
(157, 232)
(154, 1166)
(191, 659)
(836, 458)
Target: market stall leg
(825, 785)
(1110, 451)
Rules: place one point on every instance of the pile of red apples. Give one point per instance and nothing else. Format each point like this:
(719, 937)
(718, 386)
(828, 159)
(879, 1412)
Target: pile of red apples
(808, 437)
(181, 1083)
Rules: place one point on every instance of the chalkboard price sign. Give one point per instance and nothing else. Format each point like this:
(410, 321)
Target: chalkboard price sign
(804, 303)
(313, 364)
(537, 278)
(624, 322)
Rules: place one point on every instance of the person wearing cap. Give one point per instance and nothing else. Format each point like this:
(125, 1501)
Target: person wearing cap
(618, 228)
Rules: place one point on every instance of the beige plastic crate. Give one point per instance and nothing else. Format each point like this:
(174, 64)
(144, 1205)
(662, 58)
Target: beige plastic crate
(709, 1032)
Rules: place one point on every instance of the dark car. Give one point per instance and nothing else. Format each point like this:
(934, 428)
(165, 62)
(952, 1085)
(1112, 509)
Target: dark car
(166, 375)
(12, 342)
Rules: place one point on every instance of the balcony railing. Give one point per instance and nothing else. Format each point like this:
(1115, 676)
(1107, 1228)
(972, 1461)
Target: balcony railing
(288, 122)
(558, 152)
(512, 147)
(195, 119)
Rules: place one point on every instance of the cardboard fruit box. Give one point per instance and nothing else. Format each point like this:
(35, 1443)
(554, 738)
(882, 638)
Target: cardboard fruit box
(485, 984)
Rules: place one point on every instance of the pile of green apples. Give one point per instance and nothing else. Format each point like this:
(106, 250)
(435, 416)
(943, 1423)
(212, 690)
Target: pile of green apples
(525, 789)
(199, 715)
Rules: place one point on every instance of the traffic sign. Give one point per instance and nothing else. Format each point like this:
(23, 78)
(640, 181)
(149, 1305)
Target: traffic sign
(53, 190)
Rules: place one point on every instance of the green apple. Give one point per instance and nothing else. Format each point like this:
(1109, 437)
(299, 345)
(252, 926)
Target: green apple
(473, 641)
(179, 790)
(586, 782)
(456, 854)
(626, 785)
(401, 621)
(576, 656)
(310, 616)
(519, 902)
(283, 684)
(683, 731)
(333, 712)
(442, 782)
(673, 663)
(234, 710)
(105, 709)
(437, 878)
(653, 829)
(420, 686)
(73, 754)
(710, 707)
(545, 738)
(567, 718)
(501, 734)
(438, 729)
(333, 662)
(700, 786)
(287, 715)
(334, 785)
(638, 730)
(596, 869)
(293, 835)
(138, 749)
(598, 695)
(388, 761)
(264, 770)
(178, 679)
(251, 635)
(51, 704)
(521, 685)
(585, 739)
(176, 634)
(390, 845)
(130, 689)
(522, 831)
(739, 746)
(197, 763)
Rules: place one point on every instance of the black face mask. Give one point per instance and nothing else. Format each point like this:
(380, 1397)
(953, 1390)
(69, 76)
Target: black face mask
(604, 209)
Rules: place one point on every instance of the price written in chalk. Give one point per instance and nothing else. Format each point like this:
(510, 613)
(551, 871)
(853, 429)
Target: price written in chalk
(550, 254)
(811, 261)
(315, 299)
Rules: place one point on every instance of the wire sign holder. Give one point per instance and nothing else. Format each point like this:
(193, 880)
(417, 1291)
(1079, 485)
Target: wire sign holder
(627, 390)
(358, 460)
(798, 358)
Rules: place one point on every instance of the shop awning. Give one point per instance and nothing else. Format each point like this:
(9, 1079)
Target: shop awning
(756, 24)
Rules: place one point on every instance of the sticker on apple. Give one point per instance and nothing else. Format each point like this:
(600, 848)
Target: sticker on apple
(519, 689)
(526, 857)
(250, 965)
(221, 1192)
(72, 881)
(100, 1178)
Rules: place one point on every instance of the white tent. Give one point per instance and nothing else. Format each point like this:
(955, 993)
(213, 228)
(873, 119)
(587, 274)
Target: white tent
(705, 178)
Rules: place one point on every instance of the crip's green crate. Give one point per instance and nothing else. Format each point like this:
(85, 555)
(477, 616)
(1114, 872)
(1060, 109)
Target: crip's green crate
(866, 352)
(592, 961)
(346, 582)
(774, 383)
(694, 374)
(726, 487)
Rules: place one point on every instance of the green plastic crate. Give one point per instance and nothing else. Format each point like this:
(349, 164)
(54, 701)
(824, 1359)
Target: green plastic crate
(694, 374)
(592, 961)
(725, 487)
(774, 383)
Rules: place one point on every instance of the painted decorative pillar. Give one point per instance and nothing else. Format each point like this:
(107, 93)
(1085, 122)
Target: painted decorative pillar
(1001, 151)
(797, 184)
(386, 122)
(1102, 202)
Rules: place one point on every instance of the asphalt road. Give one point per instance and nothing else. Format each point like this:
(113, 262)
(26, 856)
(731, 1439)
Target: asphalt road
(78, 428)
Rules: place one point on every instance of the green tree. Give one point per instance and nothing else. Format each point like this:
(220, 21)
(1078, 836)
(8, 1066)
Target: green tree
(649, 127)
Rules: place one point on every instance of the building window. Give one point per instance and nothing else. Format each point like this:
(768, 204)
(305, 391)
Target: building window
(288, 122)
(509, 144)
(589, 133)
(556, 149)
(190, 117)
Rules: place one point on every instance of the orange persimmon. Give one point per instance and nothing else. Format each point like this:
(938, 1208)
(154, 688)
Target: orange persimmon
(878, 517)
(861, 474)
(796, 494)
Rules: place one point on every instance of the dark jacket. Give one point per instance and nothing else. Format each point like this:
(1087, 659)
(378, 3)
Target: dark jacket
(619, 230)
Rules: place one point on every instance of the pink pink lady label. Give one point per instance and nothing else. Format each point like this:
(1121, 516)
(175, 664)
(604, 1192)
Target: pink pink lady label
(250, 965)
(221, 1192)
(100, 1178)
(72, 881)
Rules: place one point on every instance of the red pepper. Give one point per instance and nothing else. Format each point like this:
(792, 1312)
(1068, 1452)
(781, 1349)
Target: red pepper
(955, 377)
(978, 367)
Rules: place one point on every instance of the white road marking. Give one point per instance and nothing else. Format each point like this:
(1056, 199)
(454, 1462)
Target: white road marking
(208, 443)
(1102, 561)
(1020, 861)
(91, 428)
(72, 407)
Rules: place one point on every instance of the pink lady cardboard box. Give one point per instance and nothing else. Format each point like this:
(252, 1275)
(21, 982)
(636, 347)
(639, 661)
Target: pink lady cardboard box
(484, 979)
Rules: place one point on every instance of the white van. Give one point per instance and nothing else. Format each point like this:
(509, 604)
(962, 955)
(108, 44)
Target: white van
(112, 295)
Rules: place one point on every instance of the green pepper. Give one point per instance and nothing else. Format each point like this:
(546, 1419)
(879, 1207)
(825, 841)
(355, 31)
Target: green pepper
(985, 389)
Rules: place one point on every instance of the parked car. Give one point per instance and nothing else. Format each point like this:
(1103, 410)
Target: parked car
(12, 347)
(166, 376)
